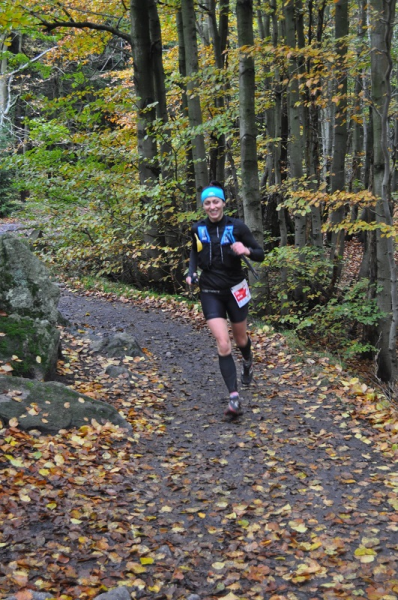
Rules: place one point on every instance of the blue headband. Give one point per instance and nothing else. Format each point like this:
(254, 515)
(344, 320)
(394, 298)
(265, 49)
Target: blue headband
(212, 191)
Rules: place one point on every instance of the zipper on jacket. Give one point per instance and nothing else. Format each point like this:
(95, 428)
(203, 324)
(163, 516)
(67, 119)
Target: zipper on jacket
(222, 255)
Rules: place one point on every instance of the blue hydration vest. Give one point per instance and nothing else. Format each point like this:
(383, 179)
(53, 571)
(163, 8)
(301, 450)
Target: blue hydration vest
(227, 237)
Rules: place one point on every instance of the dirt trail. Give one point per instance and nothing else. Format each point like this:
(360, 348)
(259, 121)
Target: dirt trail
(293, 500)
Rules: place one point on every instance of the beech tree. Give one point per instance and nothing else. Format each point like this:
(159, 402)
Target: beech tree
(382, 14)
(296, 144)
(338, 173)
(193, 99)
(248, 129)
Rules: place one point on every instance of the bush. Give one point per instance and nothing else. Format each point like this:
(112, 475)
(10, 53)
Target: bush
(298, 298)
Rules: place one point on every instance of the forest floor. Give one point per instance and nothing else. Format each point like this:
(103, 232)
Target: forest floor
(296, 499)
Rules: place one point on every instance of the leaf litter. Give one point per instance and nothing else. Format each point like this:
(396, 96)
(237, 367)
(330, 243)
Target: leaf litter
(297, 499)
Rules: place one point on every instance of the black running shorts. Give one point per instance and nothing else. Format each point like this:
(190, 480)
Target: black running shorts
(219, 305)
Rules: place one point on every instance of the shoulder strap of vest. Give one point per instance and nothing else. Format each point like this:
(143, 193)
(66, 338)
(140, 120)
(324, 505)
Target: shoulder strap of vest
(203, 234)
(228, 235)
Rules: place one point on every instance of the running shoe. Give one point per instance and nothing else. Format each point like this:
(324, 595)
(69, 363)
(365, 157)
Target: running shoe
(247, 372)
(234, 407)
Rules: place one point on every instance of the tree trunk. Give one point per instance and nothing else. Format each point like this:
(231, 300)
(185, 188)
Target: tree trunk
(194, 108)
(248, 129)
(312, 146)
(295, 143)
(189, 177)
(3, 82)
(337, 177)
(219, 36)
(144, 86)
(357, 125)
(382, 18)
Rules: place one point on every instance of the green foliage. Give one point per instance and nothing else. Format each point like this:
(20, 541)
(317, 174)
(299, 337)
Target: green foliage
(342, 321)
(9, 198)
(97, 217)
(290, 269)
(298, 298)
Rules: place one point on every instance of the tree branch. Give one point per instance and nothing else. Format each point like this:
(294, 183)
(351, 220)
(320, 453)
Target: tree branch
(50, 26)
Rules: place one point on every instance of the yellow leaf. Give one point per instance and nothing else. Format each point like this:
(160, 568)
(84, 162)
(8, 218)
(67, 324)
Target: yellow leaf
(13, 422)
(59, 459)
(146, 560)
(166, 509)
(135, 568)
(24, 497)
(366, 559)
(38, 359)
(362, 551)
(202, 515)
(300, 527)
(365, 555)
(218, 566)
(284, 509)
(76, 521)
(16, 462)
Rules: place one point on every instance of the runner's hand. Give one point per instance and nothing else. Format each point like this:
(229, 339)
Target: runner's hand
(192, 280)
(240, 249)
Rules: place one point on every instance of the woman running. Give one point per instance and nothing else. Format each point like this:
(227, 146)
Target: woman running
(219, 243)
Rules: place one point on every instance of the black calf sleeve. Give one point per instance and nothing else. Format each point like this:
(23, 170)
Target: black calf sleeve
(246, 350)
(228, 371)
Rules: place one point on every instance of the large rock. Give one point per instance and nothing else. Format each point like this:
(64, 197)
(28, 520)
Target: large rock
(36, 344)
(25, 285)
(49, 407)
(28, 312)
(116, 346)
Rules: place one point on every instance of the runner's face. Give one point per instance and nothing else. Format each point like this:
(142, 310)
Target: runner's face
(214, 208)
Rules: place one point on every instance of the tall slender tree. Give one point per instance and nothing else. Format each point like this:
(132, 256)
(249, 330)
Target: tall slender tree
(296, 143)
(247, 115)
(337, 176)
(144, 84)
(382, 14)
(219, 36)
(194, 108)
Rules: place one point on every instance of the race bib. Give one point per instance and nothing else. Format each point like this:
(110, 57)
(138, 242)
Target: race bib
(241, 293)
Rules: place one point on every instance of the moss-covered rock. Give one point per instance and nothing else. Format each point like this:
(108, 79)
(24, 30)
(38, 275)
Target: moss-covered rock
(25, 285)
(30, 346)
(49, 407)
(29, 339)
